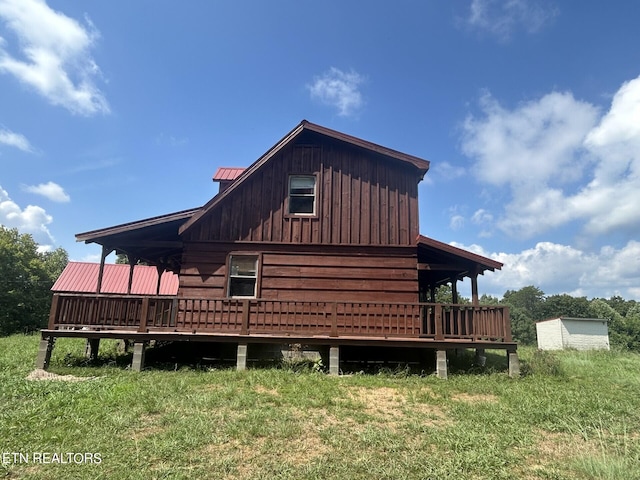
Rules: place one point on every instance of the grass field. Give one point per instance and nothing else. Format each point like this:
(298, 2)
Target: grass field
(572, 415)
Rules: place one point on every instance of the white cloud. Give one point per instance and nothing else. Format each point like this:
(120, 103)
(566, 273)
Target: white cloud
(558, 269)
(50, 190)
(32, 219)
(482, 217)
(501, 18)
(17, 140)
(55, 55)
(338, 89)
(456, 222)
(562, 160)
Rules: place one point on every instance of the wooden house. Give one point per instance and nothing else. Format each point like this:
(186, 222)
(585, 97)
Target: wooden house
(317, 242)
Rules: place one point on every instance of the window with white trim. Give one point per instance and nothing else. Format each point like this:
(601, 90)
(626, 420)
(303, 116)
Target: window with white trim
(243, 276)
(302, 194)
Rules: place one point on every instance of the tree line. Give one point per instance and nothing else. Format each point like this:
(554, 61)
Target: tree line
(26, 277)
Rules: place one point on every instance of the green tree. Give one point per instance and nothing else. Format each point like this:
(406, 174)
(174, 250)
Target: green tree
(530, 299)
(618, 335)
(564, 306)
(523, 327)
(26, 277)
(525, 307)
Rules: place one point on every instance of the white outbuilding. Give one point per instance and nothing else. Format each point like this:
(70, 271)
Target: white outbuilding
(579, 333)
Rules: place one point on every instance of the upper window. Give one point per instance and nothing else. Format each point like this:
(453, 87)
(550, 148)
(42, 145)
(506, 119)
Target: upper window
(302, 194)
(243, 275)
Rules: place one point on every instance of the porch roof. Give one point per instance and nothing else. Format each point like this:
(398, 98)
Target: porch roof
(440, 262)
(82, 277)
(154, 239)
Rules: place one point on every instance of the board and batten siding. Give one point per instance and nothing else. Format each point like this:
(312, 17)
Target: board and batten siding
(362, 199)
(578, 333)
(305, 273)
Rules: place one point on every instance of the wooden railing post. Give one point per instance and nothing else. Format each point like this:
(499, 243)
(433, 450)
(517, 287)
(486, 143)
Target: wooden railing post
(144, 312)
(438, 322)
(506, 320)
(334, 319)
(53, 313)
(244, 329)
(174, 313)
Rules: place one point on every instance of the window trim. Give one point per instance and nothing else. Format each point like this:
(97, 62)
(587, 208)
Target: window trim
(316, 205)
(257, 286)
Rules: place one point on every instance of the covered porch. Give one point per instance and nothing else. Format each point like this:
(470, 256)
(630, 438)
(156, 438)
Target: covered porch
(160, 314)
(141, 319)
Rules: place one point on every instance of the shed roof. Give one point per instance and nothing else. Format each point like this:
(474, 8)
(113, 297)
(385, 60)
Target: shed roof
(225, 174)
(573, 319)
(82, 277)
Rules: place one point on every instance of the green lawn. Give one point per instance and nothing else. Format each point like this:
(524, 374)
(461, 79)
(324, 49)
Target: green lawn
(572, 415)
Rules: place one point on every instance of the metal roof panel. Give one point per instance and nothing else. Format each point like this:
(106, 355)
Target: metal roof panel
(82, 277)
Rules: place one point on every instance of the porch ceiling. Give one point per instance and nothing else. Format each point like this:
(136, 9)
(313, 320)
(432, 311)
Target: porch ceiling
(154, 240)
(439, 262)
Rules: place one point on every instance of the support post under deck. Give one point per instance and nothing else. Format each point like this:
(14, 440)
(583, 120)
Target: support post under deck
(241, 363)
(91, 350)
(44, 352)
(514, 363)
(441, 364)
(481, 358)
(334, 360)
(137, 364)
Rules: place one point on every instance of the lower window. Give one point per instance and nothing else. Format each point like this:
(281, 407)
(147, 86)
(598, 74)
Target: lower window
(243, 275)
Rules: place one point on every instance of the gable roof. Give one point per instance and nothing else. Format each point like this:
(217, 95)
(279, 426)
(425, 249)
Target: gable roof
(421, 165)
(82, 277)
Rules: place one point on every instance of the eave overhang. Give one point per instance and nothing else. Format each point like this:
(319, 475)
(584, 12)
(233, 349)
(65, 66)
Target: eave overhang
(442, 262)
(155, 240)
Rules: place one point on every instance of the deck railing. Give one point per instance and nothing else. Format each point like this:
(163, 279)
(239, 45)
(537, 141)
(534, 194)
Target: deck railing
(260, 316)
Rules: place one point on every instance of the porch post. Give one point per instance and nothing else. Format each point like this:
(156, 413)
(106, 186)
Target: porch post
(160, 270)
(44, 352)
(137, 364)
(241, 362)
(514, 363)
(454, 289)
(474, 290)
(105, 252)
(334, 360)
(441, 364)
(132, 266)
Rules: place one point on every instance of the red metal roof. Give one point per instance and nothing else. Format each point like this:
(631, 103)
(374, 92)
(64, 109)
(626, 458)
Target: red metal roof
(82, 277)
(227, 173)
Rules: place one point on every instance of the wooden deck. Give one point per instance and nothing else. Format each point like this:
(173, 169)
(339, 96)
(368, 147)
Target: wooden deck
(246, 321)
(246, 317)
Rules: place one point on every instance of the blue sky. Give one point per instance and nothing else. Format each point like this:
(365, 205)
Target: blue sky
(529, 111)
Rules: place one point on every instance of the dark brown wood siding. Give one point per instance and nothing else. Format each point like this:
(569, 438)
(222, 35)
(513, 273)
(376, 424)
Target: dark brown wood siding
(385, 274)
(362, 199)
